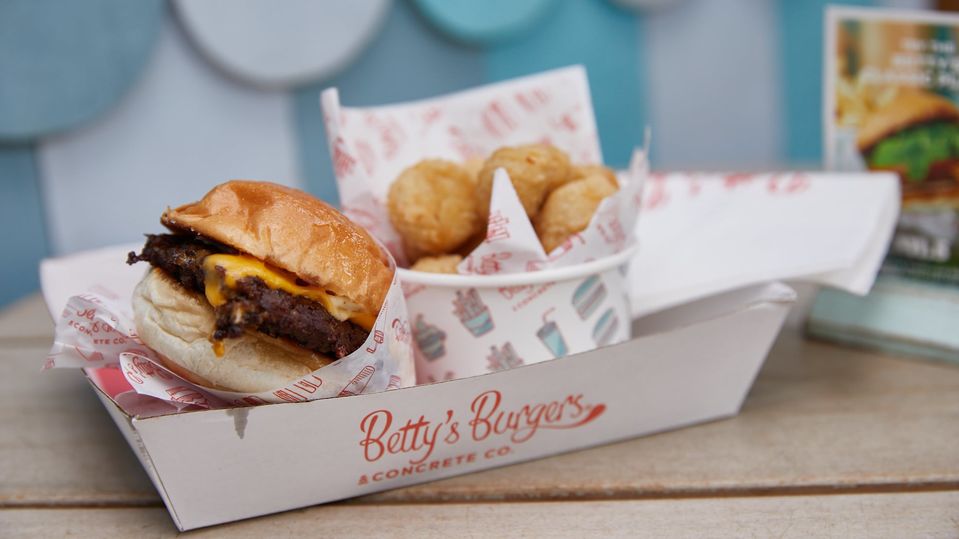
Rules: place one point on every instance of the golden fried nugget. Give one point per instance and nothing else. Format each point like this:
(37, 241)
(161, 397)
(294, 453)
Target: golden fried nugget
(433, 207)
(569, 208)
(582, 171)
(533, 169)
(437, 264)
(473, 167)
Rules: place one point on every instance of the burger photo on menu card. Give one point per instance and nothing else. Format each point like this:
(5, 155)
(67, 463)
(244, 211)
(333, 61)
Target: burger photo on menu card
(892, 105)
(257, 284)
(916, 133)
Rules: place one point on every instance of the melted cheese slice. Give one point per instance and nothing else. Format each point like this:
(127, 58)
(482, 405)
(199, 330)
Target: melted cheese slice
(236, 267)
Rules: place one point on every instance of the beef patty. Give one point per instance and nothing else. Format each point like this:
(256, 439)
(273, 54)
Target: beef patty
(252, 304)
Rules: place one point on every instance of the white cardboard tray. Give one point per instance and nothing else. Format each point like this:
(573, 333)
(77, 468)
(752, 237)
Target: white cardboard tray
(689, 364)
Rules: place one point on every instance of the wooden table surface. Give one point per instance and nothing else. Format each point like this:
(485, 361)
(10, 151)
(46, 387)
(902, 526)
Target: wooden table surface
(831, 442)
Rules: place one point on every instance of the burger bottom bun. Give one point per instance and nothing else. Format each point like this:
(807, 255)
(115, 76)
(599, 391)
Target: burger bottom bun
(178, 325)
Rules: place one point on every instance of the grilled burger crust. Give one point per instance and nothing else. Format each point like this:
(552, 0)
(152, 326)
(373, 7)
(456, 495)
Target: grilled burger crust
(293, 231)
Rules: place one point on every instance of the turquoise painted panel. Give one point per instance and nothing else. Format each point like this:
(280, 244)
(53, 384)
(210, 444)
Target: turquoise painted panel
(407, 61)
(801, 50)
(606, 40)
(63, 62)
(284, 44)
(24, 241)
(484, 22)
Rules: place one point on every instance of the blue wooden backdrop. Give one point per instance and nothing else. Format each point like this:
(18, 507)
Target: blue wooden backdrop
(728, 84)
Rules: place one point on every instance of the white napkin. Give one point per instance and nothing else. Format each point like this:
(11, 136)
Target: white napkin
(701, 234)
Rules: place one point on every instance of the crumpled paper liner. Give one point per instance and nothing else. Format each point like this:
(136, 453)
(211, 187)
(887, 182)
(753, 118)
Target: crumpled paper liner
(96, 330)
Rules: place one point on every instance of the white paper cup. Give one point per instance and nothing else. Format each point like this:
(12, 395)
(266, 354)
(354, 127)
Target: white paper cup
(466, 325)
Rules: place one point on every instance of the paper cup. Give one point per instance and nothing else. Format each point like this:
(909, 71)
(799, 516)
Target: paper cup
(466, 325)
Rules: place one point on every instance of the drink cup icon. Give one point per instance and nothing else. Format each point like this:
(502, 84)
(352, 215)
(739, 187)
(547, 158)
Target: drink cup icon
(472, 312)
(551, 336)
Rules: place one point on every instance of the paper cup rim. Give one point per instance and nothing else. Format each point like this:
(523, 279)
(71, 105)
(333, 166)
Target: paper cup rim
(445, 280)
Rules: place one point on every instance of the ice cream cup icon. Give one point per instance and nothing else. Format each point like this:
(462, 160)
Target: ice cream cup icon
(429, 339)
(540, 313)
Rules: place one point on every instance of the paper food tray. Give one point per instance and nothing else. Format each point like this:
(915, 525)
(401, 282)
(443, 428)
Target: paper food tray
(686, 365)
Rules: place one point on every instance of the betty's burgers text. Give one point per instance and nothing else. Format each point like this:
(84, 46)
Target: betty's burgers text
(487, 420)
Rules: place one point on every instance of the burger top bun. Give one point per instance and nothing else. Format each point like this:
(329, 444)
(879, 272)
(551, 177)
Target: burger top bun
(908, 108)
(177, 324)
(293, 231)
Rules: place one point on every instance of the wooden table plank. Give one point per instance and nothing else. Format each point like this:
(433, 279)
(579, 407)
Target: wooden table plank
(820, 418)
(26, 322)
(933, 514)
(57, 444)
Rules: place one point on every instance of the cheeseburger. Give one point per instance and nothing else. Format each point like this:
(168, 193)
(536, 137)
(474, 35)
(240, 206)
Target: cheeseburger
(915, 134)
(257, 284)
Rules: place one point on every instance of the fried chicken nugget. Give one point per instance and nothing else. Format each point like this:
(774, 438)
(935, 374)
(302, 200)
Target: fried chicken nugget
(582, 171)
(473, 167)
(533, 169)
(437, 264)
(432, 205)
(569, 208)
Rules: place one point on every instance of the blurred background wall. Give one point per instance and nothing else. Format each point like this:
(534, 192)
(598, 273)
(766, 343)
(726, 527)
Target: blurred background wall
(111, 110)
